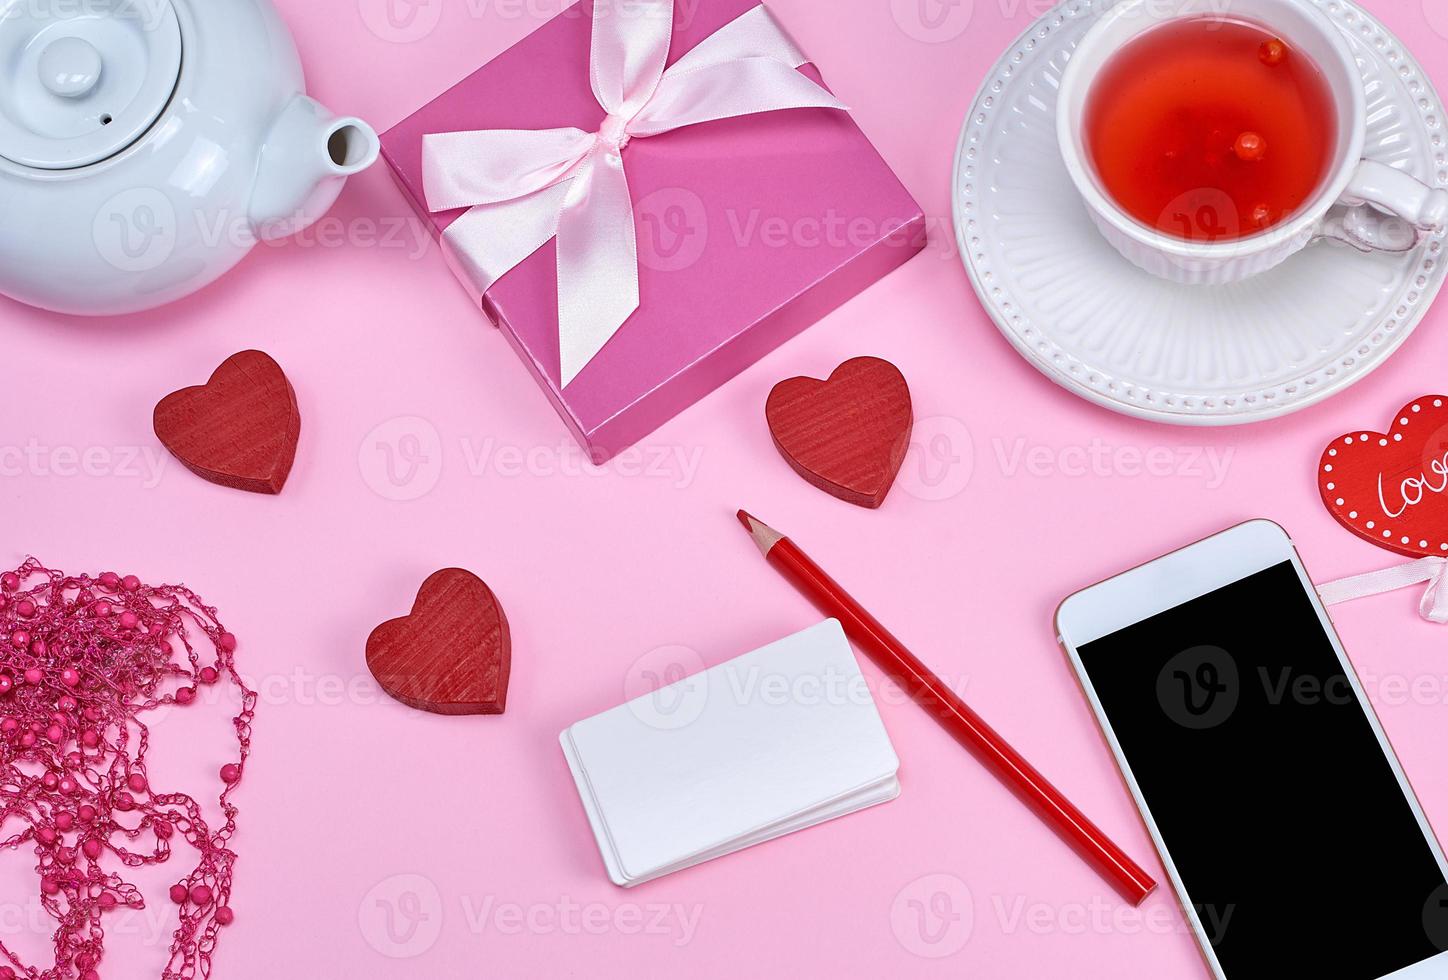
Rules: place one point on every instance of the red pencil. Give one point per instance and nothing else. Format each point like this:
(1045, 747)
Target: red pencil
(931, 693)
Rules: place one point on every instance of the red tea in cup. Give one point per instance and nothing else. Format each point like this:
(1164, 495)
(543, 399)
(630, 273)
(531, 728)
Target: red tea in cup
(1210, 129)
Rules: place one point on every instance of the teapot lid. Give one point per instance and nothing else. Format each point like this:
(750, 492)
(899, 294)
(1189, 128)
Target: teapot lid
(81, 80)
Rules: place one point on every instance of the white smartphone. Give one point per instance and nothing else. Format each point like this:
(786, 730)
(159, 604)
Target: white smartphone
(1292, 837)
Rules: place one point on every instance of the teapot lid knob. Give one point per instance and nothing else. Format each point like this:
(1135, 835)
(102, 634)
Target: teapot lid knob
(70, 67)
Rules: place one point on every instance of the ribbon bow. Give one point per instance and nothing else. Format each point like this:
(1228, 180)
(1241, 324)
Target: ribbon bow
(524, 187)
(1434, 606)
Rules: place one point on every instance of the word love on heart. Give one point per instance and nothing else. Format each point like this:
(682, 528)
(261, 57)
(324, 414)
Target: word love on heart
(1392, 488)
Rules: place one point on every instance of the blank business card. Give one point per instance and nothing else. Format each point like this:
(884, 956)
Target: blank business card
(775, 741)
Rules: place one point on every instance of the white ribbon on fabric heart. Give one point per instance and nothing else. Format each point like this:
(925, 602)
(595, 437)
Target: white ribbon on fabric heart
(524, 187)
(1432, 570)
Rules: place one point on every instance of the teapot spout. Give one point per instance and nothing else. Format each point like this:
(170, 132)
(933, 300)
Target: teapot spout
(308, 155)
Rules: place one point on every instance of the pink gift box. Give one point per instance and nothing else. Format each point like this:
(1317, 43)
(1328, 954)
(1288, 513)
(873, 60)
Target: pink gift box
(749, 229)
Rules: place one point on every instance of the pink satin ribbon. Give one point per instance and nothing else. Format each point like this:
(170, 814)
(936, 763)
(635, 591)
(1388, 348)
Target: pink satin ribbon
(1434, 606)
(524, 187)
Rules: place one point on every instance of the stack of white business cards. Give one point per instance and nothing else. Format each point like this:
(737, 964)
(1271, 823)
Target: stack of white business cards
(772, 742)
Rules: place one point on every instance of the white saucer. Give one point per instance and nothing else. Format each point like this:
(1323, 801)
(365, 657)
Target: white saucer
(1189, 355)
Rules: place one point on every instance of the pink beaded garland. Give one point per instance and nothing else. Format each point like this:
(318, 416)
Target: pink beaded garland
(77, 675)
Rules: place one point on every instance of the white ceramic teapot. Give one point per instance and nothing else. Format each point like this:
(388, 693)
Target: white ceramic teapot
(147, 145)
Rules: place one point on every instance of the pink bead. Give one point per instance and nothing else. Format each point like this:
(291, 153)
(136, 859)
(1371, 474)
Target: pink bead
(55, 733)
(65, 855)
(49, 886)
(110, 580)
(70, 677)
(91, 974)
(63, 820)
(9, 581)
(91, 848)
(209, 675)
(129, 620)
(7, 683)
(226, 642)
(106, 901)
(27, 740)
(89, 739)
(46, 836)
(124, 802)
(25, 609)
(39, 648)
(20, 639)
(9, 726)
(200, 894)
(34, 675)
(69, 786)
(101, 609)
(137, 782)
(230, 773)
(86, 813)
(224, 916)
(179, 894)
(130, 583)
(65, 703)
(186, 695)
(92, 713)
(50, 781)
(162, 828)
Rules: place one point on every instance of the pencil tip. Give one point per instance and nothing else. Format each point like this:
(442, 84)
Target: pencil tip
(764, 536)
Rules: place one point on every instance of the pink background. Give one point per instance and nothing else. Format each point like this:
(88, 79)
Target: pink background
(381, 842)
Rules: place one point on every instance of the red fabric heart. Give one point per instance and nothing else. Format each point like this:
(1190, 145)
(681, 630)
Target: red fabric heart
(239, 429)
(1392, 488)
(848, 435)
(452, 654)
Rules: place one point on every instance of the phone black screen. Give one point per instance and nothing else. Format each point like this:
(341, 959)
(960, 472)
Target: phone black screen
(1269, 787)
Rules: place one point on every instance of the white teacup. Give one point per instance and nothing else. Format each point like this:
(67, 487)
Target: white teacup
(1383, 209)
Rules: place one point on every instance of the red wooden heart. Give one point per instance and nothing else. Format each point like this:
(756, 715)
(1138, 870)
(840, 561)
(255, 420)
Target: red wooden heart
(451, 654)
(1392, 488)
(847, 435)
(239, 429)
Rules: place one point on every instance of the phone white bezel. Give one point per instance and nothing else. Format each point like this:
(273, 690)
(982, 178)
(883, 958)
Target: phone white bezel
(1180, 577)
